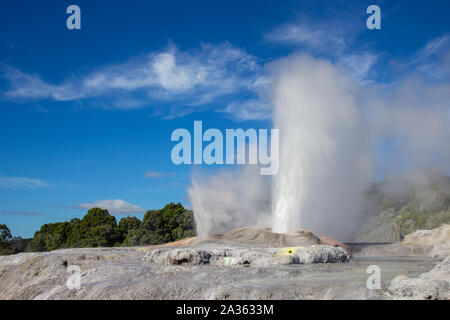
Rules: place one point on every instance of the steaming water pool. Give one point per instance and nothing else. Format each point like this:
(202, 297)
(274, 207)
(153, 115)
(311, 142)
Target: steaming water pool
(355, 271)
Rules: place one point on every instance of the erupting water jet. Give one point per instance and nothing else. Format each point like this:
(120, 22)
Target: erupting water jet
(324, 164)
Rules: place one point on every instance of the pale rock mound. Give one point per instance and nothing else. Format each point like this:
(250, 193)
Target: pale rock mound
(264, 237)
(253, 237)
(334, 243)
(248, 256)
(438, 240)
(250, 246)
(432, 285)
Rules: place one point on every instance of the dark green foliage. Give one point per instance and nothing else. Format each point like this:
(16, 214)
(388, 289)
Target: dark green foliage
(5, 234)
(126, 225)
(137, 237)
(51, 236)
(171, 223)
(19, 244)
(411, 218)
(99, 229)
(10, 244)
(5, 239)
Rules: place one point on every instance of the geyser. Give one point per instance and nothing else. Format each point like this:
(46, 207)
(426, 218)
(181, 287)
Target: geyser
(324, 162)
(330, 128)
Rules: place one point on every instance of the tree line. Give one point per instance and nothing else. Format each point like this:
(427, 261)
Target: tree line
(98, 228)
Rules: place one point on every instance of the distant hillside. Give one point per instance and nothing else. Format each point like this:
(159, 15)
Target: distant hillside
(404, 204)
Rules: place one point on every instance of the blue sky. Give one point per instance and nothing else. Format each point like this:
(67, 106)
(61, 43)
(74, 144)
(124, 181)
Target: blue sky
(86, 115)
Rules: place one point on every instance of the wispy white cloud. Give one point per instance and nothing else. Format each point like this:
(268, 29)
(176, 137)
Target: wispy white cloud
(314, 37)
(359, 65)
(118, 206)
(188, 78)
(24, 213)
(335, 44)
(158, 174)
(433, 60)
(252, 109)
(432, 48)
(22, 182)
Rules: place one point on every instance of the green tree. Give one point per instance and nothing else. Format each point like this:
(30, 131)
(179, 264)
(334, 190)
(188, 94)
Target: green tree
(136, 237)
(19, 244)
(51, 236)
(129, 223)
(171, 223)
(5, 239)
(100, 229)
(128, 227)
(5, 234)
(97, 229)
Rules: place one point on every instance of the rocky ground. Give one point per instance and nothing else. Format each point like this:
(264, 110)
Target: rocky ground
(245, 263)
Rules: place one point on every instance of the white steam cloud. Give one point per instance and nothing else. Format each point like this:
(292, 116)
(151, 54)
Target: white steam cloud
(324, 158)
(230, 199)
(415, 117)
(331, 130)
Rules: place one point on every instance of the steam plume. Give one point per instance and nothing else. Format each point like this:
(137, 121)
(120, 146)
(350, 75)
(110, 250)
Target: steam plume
(324, 164)
(230, 199)
(330, 129)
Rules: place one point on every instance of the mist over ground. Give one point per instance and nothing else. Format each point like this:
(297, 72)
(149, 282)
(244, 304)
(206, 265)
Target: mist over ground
(230, 199)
